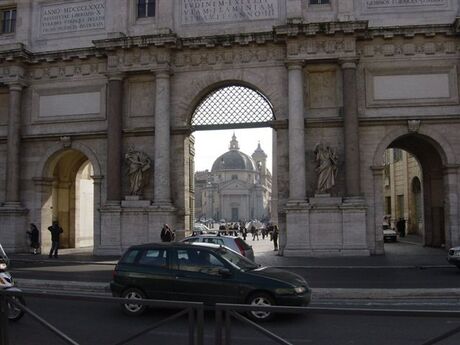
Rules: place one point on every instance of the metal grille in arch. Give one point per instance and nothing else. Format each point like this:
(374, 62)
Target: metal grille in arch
(233, 105)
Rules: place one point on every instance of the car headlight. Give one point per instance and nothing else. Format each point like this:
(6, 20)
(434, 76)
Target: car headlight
(2, 266)
(300, 289)
(291, 291)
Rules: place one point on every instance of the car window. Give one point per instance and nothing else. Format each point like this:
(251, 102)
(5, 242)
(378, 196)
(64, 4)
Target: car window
(190, 240)
(129, 257)
(214, 240)
(154, 257)
(198, 260)
(235, 259)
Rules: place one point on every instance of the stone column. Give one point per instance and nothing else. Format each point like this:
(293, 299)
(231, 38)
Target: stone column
(13, 172)
(114, 136)
(162, 184)
(351, 128)
(297, 190)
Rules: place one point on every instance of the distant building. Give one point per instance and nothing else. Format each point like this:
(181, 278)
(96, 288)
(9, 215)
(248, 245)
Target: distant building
(238, 187)
(403, 190)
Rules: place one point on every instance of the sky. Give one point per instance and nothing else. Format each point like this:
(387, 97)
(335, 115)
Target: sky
(211, 144)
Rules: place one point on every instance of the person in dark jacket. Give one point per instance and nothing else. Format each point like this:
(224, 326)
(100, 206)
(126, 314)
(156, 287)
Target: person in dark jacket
(56, 232)
(401, 227)
(167, 235)
(34, 238)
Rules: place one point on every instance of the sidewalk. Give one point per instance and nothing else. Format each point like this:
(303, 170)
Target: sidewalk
(405, 254)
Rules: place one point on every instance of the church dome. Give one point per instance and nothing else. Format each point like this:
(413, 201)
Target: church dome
(234, 159)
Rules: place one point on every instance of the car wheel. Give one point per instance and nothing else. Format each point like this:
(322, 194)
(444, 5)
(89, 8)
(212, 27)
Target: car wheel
(14, 312)
(261, 299)
(133, 309)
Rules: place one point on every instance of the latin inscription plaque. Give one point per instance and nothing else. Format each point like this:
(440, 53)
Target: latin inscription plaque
(420, 4)
(70, 17)
(219, 11)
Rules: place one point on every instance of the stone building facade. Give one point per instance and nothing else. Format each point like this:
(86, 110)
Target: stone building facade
(238, 187)
(403, 192)
(83, 81)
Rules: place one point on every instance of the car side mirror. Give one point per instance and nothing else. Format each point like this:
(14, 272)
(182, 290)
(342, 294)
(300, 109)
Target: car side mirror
(225, 272)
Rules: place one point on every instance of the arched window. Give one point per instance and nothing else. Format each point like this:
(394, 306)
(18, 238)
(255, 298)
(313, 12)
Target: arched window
(232, 105)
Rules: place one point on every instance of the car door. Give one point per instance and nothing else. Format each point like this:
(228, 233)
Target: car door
(153, 273)
(198, 277)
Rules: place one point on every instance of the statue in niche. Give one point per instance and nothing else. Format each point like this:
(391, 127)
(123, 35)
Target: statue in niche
(138, 170)
(326, 168)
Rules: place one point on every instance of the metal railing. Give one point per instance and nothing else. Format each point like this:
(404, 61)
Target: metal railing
(224, 314)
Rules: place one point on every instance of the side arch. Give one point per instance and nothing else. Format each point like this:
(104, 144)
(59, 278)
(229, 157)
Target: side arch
(439, 142)
(45, 167)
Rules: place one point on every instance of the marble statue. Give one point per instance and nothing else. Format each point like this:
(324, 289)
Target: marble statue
(138, 168)
(326, 168)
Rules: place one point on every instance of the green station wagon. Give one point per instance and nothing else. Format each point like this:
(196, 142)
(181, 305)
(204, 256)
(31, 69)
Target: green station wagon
(206, 273)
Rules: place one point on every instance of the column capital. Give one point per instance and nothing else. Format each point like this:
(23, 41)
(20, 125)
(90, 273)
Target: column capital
(295, 64)
(97, 178)
(451, 169)
(377, 170)
(16, 85)
(349, 63)
(114, 76)
(162, 72)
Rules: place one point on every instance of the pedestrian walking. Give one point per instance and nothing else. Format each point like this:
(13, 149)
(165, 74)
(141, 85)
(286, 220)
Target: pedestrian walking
(34, 238)
(56, 232)
(401, 227)
(275, 235)
(254, 232)
(167, 235)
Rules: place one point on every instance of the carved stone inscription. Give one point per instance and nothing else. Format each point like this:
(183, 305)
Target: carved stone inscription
(75, 16)
(217, 11)
(378, 4)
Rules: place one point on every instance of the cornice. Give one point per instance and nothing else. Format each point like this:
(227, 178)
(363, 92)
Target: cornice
(456, 25)
(159, 40)
(409, 31)
(314, 29)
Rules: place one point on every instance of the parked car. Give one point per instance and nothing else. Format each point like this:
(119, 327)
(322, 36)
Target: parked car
(453, 256)
(199, 228)
(389, 235)
(206, 273)
(235, 243)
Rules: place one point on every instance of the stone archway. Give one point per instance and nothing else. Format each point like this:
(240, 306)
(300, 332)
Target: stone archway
(234, 105)
(433, 156)
(69, 192)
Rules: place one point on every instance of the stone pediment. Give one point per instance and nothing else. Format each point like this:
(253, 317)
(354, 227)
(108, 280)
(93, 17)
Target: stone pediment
(236, 185)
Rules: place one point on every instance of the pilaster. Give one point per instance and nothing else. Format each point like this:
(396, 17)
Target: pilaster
(114, 136)
(351, 128)
(162, 184)
(297, 183)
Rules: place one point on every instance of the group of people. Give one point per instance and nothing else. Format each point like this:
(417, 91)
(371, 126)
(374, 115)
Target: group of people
(166, 235)
(34, 238)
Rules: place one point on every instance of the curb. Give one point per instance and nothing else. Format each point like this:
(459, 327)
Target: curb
(318, 294)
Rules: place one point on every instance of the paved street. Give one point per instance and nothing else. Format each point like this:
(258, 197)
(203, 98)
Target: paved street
(408, 277)
(102, 323)
(407, 270)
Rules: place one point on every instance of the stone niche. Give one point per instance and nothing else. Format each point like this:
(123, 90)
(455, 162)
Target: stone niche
(326, 226)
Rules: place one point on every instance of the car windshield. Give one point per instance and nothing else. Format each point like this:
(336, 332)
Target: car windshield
(236, 260)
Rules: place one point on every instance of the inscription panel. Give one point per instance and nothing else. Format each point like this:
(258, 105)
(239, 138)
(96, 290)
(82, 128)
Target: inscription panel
(397, 5)
(219, 11)
(72, 17)
(405, 87)
(70, 104)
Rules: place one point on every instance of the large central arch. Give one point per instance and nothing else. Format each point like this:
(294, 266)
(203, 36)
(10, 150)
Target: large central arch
(233, 105)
